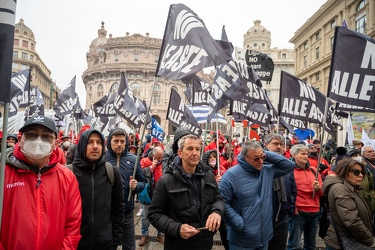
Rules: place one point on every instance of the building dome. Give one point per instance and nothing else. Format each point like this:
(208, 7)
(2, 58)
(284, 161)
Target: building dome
(100, 40)
(257, 37)
(22, 29)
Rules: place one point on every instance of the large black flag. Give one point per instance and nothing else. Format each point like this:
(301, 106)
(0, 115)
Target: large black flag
(179, 114)
(187, 45)
(19, 91)
(37, 104)
(7, 22)
(200, 91)
(67, 101)
(352, 75)
(260, 62)
(105, 106)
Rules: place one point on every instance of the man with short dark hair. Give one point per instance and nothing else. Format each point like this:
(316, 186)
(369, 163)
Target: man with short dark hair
(102, 198)
(186, 204)
(42, 203)
(118, 155)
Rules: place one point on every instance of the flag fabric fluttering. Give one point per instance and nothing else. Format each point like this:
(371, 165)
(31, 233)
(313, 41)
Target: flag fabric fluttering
(20, 91)
(157, 131)
(200, 91)
(352, 69)
(187, 45)
(37, 105)
(200, 113)
(261, 62)
(7, 23)
(179, 115)
(367, 141)
(68, 100)
(350, 132)
(104, 107)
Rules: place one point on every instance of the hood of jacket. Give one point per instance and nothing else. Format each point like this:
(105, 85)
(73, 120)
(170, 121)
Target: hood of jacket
(205, 158)
(80, 159)
(109, 148)
(329, 181)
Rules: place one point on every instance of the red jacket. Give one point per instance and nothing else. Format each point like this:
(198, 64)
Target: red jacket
(157, 171)
(224, 162)
(44, 217)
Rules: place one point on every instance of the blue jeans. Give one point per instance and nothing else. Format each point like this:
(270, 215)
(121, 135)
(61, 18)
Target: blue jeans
(145, 222)
(306, 223)
(128, 236)
(236, 247)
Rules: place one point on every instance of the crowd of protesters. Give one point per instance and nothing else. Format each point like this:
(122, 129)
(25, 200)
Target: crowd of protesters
(264, 193)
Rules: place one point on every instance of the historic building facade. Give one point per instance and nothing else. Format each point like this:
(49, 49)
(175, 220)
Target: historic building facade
(137, 55)
(313, 41)
(25, 57)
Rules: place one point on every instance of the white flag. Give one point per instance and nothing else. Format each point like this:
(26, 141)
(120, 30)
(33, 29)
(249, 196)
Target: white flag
(367, 141)
(350, 131)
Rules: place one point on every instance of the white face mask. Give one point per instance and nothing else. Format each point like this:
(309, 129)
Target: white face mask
(36, 149)
(358, 158)
(212, 162)
(235, 144)
(66, 144)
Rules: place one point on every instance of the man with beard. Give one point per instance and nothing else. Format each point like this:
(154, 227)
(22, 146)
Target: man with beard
(283, 196)
(102, 201)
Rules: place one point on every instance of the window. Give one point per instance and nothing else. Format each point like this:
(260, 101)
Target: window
(156, 94)
(15, 54)
(156, 58)
(32, 46)
(305, 61)
(317, 53)
(25, 44)
(100, 89)
(360, 23)
(135, 56)
(305, 46)
(31, 58)
(136, 88)
(361, 5)
(255, 44)
(114, 87)
(317, 76)
(116, 57)
(333, 24)
(317, 36)
(24, 55)
(16, 42)
(283, 55)
(332, 41)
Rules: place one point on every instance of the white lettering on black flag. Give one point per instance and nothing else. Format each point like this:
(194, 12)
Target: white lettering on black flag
(67, 101)
(19, 91)
(352, 76)
(178, 114)
(260, 62)
(187, 45)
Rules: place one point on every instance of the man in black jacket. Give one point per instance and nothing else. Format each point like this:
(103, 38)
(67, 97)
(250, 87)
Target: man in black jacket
(187, 204)
(102, 202)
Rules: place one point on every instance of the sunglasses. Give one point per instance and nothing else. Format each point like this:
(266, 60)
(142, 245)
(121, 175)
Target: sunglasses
(357, 172)
(263, 157)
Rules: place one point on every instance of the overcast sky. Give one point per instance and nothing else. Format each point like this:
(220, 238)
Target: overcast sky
(64, 29)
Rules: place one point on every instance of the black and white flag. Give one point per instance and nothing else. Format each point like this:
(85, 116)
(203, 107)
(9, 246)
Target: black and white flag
(179, 114)
(125, 102)
(105, 106)
(37, 103)
(19, 91)
(201, 91)
(67, 101)
(7, 23)
(352, 75)
(260, 62)
(256, 113)
(187, 45)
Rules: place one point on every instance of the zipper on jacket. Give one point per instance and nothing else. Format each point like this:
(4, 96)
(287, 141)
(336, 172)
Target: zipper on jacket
(39, 180)
(93, 205)
(38, 212)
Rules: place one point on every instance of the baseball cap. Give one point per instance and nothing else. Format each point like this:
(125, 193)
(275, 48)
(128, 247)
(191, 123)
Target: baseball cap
(42, 121)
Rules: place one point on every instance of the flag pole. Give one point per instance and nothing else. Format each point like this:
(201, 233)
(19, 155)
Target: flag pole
(143, 134)
(3, 155)
(217, 147)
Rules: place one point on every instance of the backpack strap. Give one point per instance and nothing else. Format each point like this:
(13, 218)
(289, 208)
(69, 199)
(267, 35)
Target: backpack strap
(108, 169)
(110, 173)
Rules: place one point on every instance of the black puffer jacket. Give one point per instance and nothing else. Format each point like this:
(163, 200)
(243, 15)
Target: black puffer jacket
(176, 202)
(102, 205)
(127, 162)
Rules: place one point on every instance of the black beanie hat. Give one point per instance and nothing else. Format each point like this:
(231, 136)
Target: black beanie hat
(180, 132)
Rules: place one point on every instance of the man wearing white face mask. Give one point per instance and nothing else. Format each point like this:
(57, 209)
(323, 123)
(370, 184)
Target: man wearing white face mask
(42, 198)
(68, 148)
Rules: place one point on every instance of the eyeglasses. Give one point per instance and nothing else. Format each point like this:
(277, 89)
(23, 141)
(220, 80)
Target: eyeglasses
(356, 172)
(33, 136)
(263, 157)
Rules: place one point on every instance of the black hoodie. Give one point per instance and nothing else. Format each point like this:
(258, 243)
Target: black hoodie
(102, 204)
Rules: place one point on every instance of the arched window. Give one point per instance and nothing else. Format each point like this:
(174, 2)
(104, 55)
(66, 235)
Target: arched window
(361, 5)
(100, 90)
(156, 94)
(360, 19)
(114, 87)
(136, 88)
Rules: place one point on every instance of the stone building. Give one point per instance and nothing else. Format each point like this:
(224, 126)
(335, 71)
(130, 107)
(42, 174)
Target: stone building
(25, 56)
(314, 39)
(137, 55)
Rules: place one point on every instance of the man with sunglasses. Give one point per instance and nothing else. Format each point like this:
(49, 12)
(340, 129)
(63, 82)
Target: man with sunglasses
(41, 197)
(247, 191)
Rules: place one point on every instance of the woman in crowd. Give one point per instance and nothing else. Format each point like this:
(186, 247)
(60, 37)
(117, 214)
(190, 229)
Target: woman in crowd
(349, 212)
